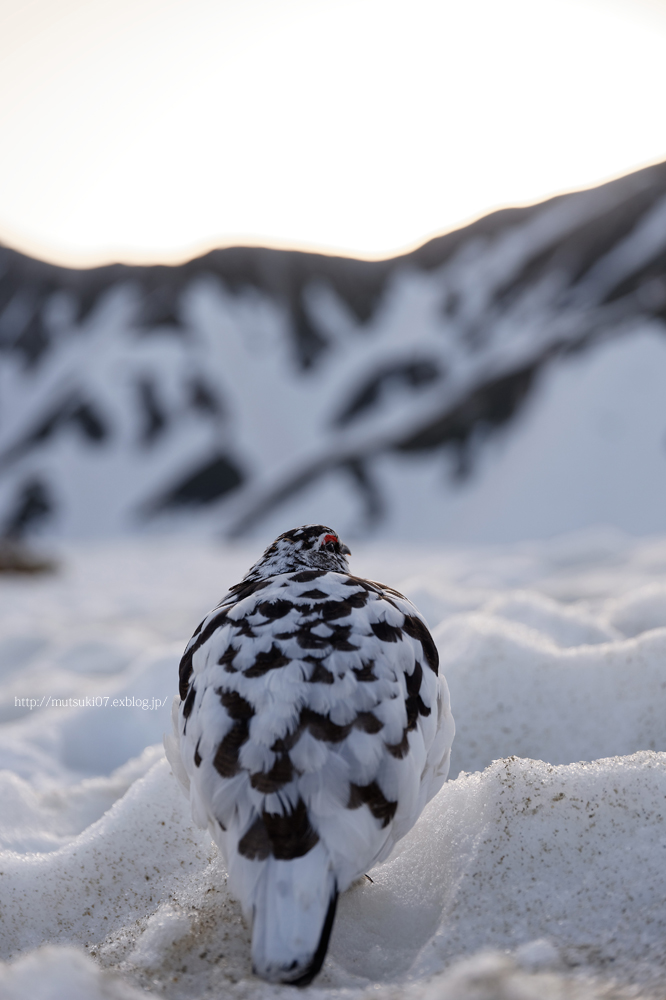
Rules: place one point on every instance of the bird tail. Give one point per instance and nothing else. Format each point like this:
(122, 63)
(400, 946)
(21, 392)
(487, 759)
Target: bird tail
(293, 917)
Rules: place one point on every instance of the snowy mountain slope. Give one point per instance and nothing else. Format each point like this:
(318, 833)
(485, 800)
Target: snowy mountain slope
(412, 395)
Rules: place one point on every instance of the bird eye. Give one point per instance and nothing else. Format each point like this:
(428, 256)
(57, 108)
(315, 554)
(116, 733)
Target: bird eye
(330, 543)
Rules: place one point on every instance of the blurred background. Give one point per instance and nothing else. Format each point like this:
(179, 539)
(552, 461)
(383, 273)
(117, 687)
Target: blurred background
(397, 267)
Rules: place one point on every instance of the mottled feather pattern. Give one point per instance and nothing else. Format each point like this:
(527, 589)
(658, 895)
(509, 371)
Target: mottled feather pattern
(313, 725)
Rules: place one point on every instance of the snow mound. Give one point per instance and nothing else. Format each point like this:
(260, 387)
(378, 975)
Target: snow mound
(565, 626)
(53, 973)
(640, 611)
(505, 858)
(516, 692)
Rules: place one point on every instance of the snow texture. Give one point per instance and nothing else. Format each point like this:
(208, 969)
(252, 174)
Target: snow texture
(259, 389)
(538, 872)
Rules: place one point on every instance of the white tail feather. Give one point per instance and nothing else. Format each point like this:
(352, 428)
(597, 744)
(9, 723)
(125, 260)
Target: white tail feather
(293, 915)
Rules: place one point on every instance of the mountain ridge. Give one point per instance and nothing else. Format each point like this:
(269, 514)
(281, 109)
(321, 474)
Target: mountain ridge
(433, 351)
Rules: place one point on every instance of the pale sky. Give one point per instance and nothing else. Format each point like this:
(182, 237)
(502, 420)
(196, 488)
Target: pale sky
(144, 130)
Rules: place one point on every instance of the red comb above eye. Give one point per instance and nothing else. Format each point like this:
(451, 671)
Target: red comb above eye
(330, 538)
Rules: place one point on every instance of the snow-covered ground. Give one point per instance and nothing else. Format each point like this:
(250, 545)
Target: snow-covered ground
(538, 872)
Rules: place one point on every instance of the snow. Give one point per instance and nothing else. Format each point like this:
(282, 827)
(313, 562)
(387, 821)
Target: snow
(537, 872)
(587, 448)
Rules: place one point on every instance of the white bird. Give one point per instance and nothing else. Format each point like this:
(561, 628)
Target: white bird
(311, 731)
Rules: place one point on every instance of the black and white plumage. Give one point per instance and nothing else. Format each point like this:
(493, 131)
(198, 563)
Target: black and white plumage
(312, 730)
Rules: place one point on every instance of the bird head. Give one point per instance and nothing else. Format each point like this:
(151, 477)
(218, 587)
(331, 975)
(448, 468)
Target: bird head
(312, 546)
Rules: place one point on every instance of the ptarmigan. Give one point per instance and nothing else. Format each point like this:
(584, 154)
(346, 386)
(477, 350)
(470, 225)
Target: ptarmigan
(312, 729)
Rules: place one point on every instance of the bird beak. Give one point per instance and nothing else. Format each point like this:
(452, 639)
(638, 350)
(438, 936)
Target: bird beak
(345, 550)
